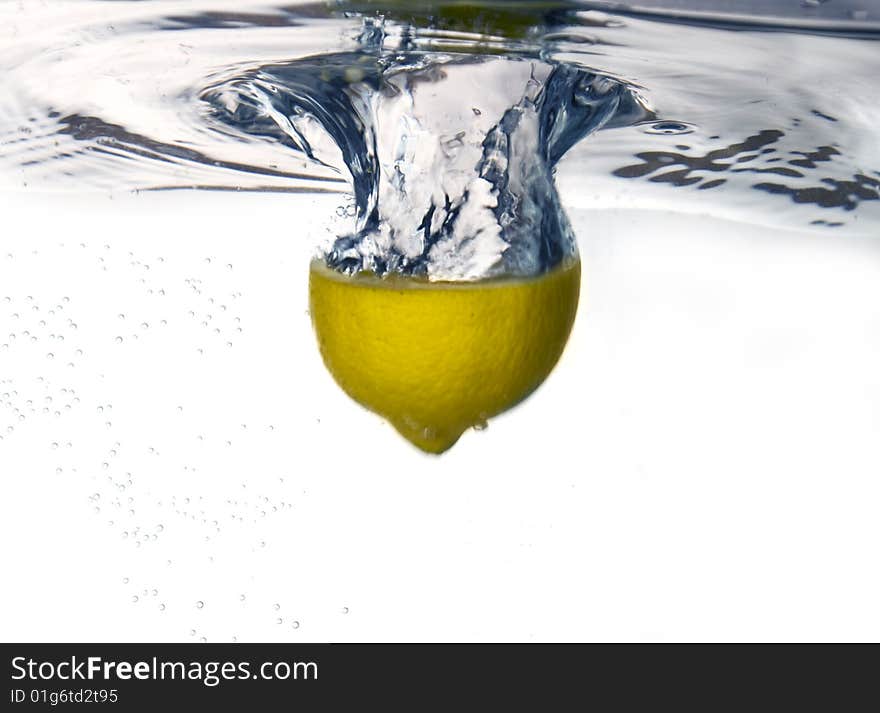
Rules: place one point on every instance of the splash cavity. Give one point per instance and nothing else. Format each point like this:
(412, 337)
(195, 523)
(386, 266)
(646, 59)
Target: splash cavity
(450, 156)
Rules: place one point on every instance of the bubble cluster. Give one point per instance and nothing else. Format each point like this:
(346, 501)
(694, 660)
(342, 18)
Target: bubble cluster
(145, 457)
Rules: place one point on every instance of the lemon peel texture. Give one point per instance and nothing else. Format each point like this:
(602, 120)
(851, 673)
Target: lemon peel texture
(436, 358)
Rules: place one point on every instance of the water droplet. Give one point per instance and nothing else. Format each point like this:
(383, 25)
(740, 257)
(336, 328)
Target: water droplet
(135, 599)
(295, 625)
(669, 128)
(119, 340)
(200, 605)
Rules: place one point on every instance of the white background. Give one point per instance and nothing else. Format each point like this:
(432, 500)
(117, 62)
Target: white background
(702, 465)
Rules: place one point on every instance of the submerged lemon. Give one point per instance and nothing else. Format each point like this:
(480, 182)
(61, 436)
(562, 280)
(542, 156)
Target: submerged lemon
(435, 358)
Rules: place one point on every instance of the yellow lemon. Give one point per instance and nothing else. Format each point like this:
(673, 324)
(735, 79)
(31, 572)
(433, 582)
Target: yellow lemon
(436, 358)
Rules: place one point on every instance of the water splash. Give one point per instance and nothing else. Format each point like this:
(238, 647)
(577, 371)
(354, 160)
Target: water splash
(137, 96)
(451, 157)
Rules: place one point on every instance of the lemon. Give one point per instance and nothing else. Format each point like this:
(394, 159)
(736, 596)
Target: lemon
(436, 358)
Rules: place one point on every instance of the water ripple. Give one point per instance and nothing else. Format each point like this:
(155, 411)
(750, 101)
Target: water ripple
(135, 96)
